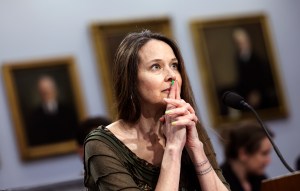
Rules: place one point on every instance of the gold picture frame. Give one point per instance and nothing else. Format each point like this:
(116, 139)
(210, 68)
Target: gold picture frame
(40, 133)
(107, 36)
(236, 54)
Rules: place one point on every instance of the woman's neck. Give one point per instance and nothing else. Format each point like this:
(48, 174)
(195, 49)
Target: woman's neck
(148, 127)
(149, 123)
(145, 139)
(241, 172)
(238, 169)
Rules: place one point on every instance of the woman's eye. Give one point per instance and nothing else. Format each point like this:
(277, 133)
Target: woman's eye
(155, 67)
(175, 66)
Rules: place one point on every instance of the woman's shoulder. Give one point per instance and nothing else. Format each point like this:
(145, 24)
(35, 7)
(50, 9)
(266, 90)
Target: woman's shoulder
(106, 138)
(102, 142)
(115, 126)
(101, 131)
(122, 131)
(102, 134)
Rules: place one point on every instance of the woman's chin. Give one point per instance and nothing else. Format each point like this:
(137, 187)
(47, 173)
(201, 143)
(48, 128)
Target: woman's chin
(161, 104)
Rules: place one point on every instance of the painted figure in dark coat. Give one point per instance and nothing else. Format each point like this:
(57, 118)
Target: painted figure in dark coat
(51, 121)
(255, 81)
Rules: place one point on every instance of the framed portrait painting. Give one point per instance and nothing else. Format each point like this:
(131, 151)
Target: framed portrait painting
(107, 36)
(236, 54)
(46, 105)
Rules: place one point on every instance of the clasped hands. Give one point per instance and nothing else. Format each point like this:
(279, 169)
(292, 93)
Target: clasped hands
(179, 121)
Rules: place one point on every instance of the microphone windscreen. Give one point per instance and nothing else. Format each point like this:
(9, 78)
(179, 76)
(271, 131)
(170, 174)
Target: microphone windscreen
(233, 100)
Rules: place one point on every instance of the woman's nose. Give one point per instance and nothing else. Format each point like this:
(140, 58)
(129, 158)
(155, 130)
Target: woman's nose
(170, 75)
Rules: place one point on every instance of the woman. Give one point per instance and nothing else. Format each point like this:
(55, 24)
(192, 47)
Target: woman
(154, 144)
(247, 151)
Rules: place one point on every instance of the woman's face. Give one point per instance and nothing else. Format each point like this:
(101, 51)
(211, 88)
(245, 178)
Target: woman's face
(158, 66)
(258, 161)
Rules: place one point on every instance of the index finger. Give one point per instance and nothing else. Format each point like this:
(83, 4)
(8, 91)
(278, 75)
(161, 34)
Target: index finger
(177, 96)
(172, 94)
(173, 88)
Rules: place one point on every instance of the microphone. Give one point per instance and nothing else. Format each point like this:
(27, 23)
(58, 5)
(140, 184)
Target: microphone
(236, 101)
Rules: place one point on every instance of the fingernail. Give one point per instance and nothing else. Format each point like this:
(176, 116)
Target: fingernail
(168, 112)
(173, 123)
(172, 83)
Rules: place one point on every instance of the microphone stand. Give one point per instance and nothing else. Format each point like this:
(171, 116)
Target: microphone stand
(268, 135)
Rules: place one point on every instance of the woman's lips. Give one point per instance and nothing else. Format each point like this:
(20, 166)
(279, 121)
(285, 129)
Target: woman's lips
(166, 90)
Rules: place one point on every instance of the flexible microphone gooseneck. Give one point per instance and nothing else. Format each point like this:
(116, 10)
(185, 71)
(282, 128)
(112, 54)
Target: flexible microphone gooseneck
(235, 101)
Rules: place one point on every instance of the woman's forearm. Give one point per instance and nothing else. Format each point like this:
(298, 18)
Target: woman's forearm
(170, 170)
(207, 177)
(211, 181)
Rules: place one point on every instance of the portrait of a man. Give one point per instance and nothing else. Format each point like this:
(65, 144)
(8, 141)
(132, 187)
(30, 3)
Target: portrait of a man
(51, 120)
(46, 105)
(254, 78)
(236, 54)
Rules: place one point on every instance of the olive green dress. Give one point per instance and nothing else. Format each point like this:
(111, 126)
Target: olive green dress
(110, 165)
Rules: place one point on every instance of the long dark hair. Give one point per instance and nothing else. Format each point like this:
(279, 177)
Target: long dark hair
(125, 72)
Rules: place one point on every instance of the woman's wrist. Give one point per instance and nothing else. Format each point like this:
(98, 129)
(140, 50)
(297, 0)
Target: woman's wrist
(203, 167)
(204, 171)
(199, 159)
(196, 145)
(173, 151)
(196, 152)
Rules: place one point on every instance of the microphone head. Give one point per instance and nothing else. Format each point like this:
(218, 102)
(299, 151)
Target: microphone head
(234, 100)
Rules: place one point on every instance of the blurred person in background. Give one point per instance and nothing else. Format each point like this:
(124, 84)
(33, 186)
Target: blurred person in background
(247, 154)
